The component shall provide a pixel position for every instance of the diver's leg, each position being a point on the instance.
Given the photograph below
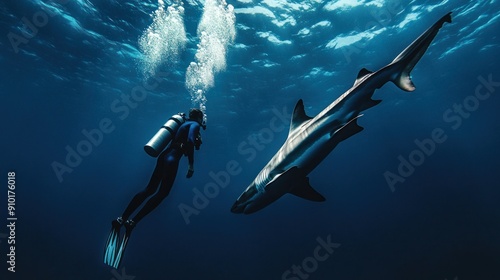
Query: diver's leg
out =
(172, 164)
(150, 189)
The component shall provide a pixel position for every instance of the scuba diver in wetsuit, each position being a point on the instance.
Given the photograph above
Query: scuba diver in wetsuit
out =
(186, 139)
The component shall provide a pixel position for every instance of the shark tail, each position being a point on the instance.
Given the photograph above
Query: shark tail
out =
(409, 57)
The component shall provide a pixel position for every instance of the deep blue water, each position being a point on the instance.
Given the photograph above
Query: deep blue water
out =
(69, 72)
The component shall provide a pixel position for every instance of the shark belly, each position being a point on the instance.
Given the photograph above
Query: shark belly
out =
(309, 152)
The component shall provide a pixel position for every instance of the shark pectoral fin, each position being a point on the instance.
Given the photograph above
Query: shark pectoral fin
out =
(304, 190)
(349, 129)
(299, 116)
(294, 181)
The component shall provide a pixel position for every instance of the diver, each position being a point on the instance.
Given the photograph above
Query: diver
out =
(186, 139)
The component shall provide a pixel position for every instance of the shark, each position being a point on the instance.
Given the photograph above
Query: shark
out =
(311, 139)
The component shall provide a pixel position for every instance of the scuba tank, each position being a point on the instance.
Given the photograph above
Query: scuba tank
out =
(164, 135)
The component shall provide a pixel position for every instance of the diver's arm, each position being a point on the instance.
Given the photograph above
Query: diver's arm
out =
(190, 155)
(194, 130)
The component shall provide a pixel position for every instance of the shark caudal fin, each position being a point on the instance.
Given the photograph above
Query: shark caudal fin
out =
(409, 57)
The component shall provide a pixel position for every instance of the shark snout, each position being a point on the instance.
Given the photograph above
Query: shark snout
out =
(244, 208)
(238, 208)
(245, 201)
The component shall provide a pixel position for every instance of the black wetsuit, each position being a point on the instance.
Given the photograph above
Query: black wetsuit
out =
(165, 171)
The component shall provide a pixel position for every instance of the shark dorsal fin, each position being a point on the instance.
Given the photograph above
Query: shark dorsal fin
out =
(304, 190)
(363, 72)
(299, 116)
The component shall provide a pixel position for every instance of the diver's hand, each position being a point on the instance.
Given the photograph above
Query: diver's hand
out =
(190, 171)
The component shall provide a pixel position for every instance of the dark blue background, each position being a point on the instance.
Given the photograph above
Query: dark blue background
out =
(441, 223)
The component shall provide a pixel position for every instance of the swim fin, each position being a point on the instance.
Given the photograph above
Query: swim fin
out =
(114, 248)
(112, 243)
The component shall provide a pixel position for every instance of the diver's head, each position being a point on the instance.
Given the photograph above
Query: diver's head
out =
(197, 115)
